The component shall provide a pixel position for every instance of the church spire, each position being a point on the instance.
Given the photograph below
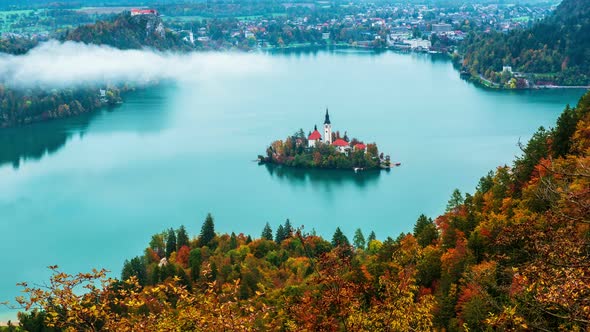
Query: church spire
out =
(327, 121)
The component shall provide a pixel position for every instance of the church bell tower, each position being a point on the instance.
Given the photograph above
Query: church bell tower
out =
(327, 129)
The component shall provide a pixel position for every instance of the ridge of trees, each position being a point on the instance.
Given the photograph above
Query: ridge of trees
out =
(555, 49)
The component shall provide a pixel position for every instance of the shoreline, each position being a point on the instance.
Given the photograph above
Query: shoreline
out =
(479, 81)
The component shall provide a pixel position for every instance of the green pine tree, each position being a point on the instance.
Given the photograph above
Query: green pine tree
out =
(425, 231)
(267, 232)
(182, 238)
(194, 260)
(339, 239)
(233, 241)
(288, 229)
(359, 239)
(207, 231)
(280, 234)
(455, 201)
(170, 242)
(371, 237)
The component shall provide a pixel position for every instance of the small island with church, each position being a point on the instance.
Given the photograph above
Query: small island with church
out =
(332, 151)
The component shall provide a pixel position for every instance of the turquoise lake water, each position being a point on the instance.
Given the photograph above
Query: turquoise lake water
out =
(90, 191)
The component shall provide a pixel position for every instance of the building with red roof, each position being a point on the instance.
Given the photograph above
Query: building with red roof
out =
(341, 145)
(314, 138)
(359, 147)
(135, 12)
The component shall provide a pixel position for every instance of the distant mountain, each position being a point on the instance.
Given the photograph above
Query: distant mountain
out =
(129, 32)
(557, 49)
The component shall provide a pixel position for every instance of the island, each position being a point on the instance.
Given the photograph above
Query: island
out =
(332, 151)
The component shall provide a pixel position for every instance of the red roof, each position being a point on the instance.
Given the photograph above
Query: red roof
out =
(360, 146)
(340, 142)
(315, 135)
(143, 11)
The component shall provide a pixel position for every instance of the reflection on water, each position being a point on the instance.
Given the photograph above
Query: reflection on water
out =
(36, 140)
(142, 112)
(329, 179)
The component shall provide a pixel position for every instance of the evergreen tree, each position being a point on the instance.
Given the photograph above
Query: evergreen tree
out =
(280, 235)
(207, 231)
(135, 267)
(288, 229)
(194, 260)
(425, 231)
(359, 239)
(248, 239)
(339, 239)
(233, 241)
(455, 201)
(182, 238)
(267, 232)
(157, 244)
(170, 242)
(536, 149)
(371, 237)
(155, 275)
(184, 280)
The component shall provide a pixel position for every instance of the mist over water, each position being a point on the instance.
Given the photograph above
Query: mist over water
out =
(54, 64)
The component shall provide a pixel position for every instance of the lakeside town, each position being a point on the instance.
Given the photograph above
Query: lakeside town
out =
(448, 29)
(414, 27)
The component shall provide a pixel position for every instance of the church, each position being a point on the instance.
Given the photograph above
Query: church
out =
(315, 137)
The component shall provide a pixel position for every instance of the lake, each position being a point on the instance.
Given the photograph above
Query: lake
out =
(88, 192)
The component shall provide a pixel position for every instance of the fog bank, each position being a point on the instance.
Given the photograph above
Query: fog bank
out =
(56, 64)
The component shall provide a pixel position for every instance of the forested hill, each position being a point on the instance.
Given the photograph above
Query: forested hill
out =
(129, 32)
(514, 256)
(558, 48)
